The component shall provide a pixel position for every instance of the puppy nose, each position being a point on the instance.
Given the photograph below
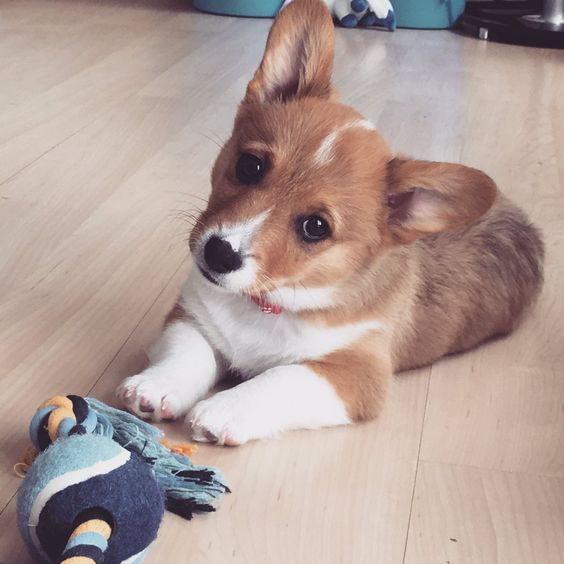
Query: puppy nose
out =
(220, 256)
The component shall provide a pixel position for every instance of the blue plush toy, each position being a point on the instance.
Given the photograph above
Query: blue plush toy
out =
(365, 13)
(98, 489)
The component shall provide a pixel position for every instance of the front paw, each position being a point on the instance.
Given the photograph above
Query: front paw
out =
(152, 396)
(223, 419)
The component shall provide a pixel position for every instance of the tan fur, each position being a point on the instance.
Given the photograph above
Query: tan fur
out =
(370, 373)
(431, 250)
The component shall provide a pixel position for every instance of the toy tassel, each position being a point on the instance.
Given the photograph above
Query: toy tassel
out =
(188, 488)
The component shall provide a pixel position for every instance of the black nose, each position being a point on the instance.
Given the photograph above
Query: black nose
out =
(220, 256)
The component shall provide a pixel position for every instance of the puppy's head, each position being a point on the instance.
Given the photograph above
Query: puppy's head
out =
(306, 192)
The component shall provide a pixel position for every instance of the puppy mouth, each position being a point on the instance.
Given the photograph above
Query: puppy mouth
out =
(249, 288)
(208, 276)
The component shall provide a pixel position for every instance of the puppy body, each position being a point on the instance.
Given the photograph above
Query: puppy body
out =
(368, 263)
(471, 285)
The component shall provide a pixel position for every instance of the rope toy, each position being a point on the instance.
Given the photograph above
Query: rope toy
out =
(97, 482)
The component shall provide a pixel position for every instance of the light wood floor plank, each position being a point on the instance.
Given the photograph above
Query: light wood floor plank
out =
(464, 515)
(39, 122)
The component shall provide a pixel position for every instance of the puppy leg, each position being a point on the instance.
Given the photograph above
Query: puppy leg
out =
(299, 396)
(184, 368)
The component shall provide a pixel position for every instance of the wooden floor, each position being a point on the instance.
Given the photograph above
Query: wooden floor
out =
(110, 113)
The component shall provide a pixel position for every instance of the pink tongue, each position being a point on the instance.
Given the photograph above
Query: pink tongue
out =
(266, 307)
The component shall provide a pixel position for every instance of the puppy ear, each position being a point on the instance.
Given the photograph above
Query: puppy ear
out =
(427, 197)
(298, 59)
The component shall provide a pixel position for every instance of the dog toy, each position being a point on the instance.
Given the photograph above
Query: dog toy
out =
(98, 488)
(365, 13)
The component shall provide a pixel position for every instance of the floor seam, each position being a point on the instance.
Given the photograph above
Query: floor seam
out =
(39, 157)
(417, 465)
(128, 338)
(492, 469)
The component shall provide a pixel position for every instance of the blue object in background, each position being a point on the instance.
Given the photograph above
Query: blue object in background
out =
(427, 14)
(359, 5)
(422, 14)
(253, 8)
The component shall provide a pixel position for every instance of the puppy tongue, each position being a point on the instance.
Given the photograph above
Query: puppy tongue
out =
(267, 307)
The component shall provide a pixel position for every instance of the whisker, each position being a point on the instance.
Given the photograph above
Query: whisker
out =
(217, 141)
(186, 195)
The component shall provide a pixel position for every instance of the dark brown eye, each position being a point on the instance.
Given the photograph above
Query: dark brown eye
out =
(250, 169)
(313, 228)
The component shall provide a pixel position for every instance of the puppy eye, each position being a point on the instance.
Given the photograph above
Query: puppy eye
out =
(250, 169)
(313, 228)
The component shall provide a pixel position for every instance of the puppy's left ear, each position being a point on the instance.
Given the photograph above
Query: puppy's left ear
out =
(428, 197)
(298, 59)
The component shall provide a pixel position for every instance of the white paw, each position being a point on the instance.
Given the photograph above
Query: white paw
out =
(156, 396)
(225, 419)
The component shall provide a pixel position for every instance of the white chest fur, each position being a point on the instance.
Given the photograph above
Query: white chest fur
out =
(252, 341)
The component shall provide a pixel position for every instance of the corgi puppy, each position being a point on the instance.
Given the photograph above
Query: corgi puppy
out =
(324, 263)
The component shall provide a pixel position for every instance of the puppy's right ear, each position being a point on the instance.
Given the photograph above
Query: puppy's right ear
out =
(298, 59)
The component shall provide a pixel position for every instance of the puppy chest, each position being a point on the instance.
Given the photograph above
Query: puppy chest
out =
(252, 341)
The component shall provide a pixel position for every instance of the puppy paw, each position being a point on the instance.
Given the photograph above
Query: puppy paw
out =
(223, 419)
(155, 397)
